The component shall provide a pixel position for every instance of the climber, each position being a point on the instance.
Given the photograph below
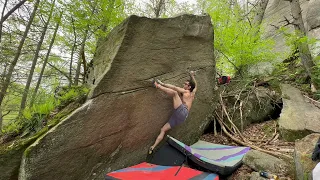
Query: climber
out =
(182, 101)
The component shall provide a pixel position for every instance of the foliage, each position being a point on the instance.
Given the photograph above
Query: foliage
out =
(293, 39)
(316, 80)
(32, 119)
(169, 8)
(83, 22)
(237, 41)
(66, 95)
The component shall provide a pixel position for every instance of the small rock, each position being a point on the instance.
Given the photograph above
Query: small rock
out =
(256, 176)
(260, 161)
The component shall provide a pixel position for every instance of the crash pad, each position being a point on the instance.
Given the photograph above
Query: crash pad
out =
(147, 171)
(221, 159)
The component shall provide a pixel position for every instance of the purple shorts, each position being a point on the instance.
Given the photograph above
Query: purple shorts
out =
(179, 115)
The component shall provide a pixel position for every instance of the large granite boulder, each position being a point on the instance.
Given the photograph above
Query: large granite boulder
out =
(313, 15)
(278, 10)
(258, 104)
(298, 117)
(302, 156)
(124, 113)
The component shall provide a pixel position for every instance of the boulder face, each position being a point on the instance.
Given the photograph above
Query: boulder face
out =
(313, 15)
(302, 156)
(124, 113)
(278, 10)
(298, 117)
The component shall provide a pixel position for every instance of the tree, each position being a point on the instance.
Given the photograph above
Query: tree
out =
(158, 6)
(304, 52)
(237, 42)
(45, 60)
(5, 17)
(261, 8)
(17, 55)
(35, 59)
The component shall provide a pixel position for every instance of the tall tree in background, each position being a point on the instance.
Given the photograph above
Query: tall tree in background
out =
(45, 60)
(74, 47)
(304, 52)
(157, 6)
(82, 58)
(17, 55)
(35, 59)
(260, 10)
(237, 42)
(5, 16)
(83, 23)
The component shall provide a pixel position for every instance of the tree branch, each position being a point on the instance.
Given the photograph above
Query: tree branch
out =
(5, 114)
(63, 73)
(229, 60)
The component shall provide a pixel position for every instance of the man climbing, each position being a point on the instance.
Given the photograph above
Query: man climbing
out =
(182, 101)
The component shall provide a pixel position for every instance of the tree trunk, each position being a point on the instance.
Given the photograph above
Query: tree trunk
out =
(17, 55)
(261, 8)
(34, 61)
(305, 55)
(74, 47)
(5, 17)
(1, 21)
(159, 7)
(83, 43)
(45, 61)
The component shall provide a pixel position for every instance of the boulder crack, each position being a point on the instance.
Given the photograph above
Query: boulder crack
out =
(316, 27)
(123, 92)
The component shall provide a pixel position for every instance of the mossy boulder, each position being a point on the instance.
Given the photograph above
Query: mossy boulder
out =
(298, 117)
(302, 156)
(247, 104)
(11, 153)
(260, 161)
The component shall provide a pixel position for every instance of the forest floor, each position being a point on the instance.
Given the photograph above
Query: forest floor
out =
(261, 134)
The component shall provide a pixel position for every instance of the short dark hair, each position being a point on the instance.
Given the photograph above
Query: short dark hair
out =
(191, 84)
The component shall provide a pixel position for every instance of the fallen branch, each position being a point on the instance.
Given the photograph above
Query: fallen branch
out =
(282, 150)
(215, 126)
(273, 135)
(223, 122)
(233, 125)
(252, 146)
(241, 120)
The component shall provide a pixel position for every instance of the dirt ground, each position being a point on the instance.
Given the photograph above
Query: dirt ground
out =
(260, 134)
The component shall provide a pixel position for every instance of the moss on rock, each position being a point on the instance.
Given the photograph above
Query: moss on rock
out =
(292, 135)
(11, 153)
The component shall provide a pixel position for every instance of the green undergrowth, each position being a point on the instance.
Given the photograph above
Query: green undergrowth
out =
(293, 73)
(48, 113)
